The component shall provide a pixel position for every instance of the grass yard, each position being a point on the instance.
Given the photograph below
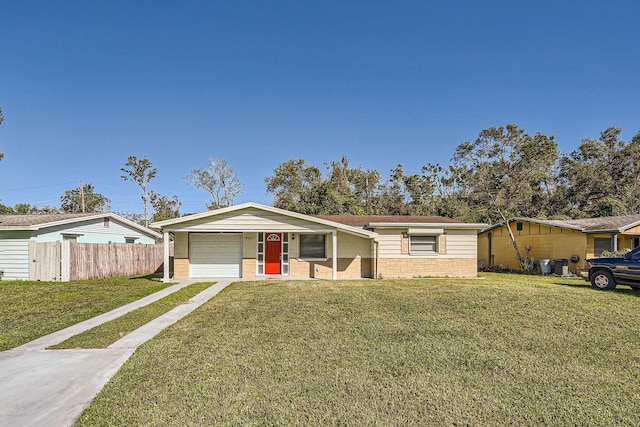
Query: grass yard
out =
(29, 310)
(501, 350)
(107, 333)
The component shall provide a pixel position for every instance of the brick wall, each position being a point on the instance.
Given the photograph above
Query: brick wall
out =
(426, 267)
(357, 268)
(249, 268)
(348, 268)
(181, 268)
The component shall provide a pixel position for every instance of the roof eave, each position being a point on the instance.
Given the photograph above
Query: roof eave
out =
(605, 231)
(78, 219)
(166, 225)
(628, 226)
(533, 221)
(449, 225)
(17, 228)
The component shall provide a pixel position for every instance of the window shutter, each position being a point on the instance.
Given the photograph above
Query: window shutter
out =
(442, 244)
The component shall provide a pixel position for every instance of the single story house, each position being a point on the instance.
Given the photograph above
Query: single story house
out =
(557, 239)
(17, 231)
(257, 241)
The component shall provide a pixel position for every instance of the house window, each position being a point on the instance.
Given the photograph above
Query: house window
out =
(600, 245)
(260, 251)
(285, 254)
(422, 245)
(130, 239)
(70, 237)
(106, 222)
(313, 246)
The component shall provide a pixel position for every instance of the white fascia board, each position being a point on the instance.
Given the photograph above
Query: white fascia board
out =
(17, 228)
(138, 227)
(603, 231)
(355, 231)
(193, 217)
(167, 224)
(628, 226)
(348, 230)
(36, 227)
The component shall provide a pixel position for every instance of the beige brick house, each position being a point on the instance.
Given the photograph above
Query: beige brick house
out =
(257, 241)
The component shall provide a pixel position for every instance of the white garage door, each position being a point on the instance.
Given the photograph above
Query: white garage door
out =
(216, 255)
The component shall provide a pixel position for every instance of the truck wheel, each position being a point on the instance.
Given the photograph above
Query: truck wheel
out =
(603, 280)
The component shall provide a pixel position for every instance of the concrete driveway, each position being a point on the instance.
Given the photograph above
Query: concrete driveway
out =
(51, 387)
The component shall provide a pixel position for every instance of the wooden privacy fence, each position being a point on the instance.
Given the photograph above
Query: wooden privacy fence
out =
(79, 261)
(44, 261)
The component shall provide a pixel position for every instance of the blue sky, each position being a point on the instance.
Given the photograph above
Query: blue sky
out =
(85, 84)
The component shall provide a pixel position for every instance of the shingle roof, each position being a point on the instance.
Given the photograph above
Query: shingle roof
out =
(37, 221)
(30, 220)
(599, 224)
(586, 225)
(362, 220)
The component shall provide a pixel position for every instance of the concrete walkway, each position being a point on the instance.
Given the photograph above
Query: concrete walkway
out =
(51, 387)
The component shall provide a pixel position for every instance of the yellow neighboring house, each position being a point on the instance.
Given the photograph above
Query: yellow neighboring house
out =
(557, 239)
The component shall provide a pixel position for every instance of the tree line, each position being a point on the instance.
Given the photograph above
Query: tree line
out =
(505, 172)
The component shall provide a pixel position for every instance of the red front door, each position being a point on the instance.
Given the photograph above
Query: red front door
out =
(272, 253)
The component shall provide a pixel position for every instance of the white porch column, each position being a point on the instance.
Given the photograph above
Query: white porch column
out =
(614, 241)
(165, 240)
(334, 267)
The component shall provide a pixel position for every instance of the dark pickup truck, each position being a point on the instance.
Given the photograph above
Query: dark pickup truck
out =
(606, 273)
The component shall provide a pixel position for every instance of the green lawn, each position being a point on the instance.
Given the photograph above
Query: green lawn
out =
(29, 310)
(107, 333)
(500, 350)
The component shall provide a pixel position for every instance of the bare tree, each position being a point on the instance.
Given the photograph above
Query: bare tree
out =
(141, 172)
(219, 180)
